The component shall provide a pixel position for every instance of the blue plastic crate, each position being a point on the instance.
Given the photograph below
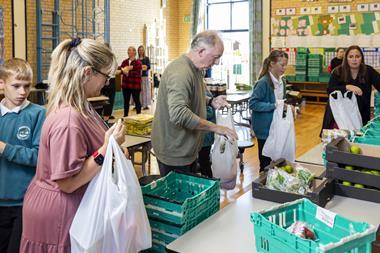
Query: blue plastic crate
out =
(344, 235)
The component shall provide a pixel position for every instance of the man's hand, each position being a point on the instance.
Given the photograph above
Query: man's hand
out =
(222, 130)
(219, 102)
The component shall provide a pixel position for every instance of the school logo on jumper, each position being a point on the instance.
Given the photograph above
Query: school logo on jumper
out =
(23, 133)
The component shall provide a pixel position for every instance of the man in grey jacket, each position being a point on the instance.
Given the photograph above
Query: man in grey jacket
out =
(180, 115)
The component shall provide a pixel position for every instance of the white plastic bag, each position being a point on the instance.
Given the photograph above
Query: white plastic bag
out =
(224, 153)
(345, 110)
(281, 142)
(111, 216)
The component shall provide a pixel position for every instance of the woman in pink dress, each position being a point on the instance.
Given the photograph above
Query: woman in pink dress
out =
(73, 142)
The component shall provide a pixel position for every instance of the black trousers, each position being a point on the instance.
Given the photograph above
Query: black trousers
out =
(264, 160)
(204, 161)
(109, 91)
(10, 229)
(136, 98)
(165, 169)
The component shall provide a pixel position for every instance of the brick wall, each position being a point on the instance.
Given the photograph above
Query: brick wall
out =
(127, 25)
(171, 13)
(185, 9)
(31, 29)
(8, 46)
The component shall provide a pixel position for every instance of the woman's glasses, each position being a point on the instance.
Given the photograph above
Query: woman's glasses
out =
(108, 77)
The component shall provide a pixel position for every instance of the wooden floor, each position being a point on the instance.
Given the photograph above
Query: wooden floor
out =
(308, 124)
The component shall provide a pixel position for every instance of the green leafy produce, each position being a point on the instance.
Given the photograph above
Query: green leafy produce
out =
(304, 175)
(279, 179)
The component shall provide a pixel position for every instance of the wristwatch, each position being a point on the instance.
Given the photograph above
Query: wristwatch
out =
(98, 158)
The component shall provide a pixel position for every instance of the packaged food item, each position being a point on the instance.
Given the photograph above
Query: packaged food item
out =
(294, 179)
(302, 230)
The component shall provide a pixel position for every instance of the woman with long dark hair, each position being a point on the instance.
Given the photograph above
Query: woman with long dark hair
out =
(146, 94)
(353, 75)
(268, 89)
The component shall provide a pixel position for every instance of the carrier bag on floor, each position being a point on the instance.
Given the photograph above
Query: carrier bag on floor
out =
(111, 216)
(345, 110)
(281, 142)
(224, 153)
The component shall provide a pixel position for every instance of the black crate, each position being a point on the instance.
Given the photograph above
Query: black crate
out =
(333, 171)
(338, 151)
(322, 188)
(367, 194)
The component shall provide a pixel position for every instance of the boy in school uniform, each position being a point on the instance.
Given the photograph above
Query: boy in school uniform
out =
(20, 128)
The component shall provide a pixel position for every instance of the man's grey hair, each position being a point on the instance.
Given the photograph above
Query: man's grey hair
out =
(206, 38)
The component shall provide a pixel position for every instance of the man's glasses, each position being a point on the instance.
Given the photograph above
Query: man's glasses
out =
(108, 77)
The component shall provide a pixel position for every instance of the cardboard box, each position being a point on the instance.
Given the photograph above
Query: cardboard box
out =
(355, 176)
(338, 151)
(357, 193)
(321, 188)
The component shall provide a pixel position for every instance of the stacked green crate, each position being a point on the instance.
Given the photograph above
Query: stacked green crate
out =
(301, 64)
(314, 67)
(324, 77)
(178, 202)
(377, 104)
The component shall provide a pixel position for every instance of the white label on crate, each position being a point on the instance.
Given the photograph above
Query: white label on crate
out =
(325, 216)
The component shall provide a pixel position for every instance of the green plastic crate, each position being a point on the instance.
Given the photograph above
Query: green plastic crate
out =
(372, 133)
(301, 65)
(180, 230)
(271, 235)
(367, 140)
(316, 57)
(158, 246)
(300, 77)
(163, 237)
(324, 159)
(178, 197)
(301, 56)
(324, 77)
(303, 50)
(312, 78)
(290, 78)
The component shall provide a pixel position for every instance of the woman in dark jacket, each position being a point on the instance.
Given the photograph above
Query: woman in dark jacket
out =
(353, 75)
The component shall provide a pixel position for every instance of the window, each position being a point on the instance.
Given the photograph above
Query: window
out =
(227, 15)
(231, 18)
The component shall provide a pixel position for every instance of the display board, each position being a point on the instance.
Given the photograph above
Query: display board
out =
(325, 23)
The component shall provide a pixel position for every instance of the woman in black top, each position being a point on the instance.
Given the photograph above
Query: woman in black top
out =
(353, 75)
(338, 59)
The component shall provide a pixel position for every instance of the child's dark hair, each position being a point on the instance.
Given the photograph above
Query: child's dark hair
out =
(274, 56)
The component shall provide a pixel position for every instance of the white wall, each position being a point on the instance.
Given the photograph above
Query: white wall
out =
(127, 23)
